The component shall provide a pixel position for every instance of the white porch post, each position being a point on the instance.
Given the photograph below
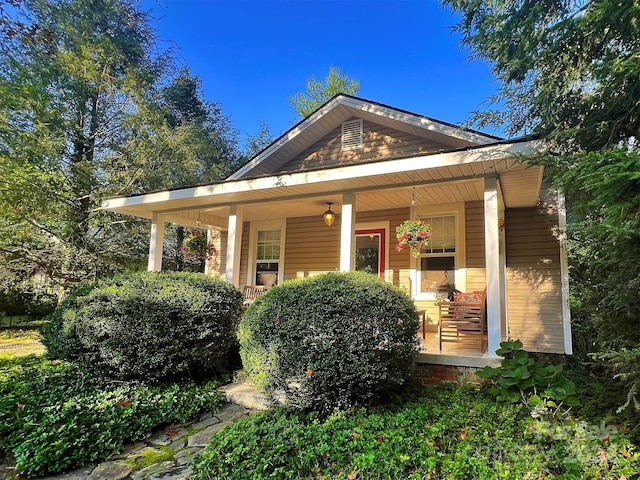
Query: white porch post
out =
(155, 243)
(492, 258)
(234, 241)
(564, 271)
(348, 233)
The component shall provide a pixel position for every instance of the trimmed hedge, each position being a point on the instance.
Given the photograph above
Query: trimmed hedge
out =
(147, 326)
(330, 341)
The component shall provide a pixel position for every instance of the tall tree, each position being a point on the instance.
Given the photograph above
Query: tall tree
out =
(175, 139)
(71, 110)
(568, 70)
(260, 141)
(304, 103)
(62, 103)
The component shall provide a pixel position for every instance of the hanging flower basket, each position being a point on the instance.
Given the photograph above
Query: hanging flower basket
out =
(413, 234)
(195, 247)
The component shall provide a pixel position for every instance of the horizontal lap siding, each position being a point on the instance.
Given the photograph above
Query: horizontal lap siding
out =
(311, 246)
(379, 143)
(534, 289)
(474, 232)
(217, 265)
(244, 255)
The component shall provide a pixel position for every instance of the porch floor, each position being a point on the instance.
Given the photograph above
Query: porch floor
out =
(431, 344)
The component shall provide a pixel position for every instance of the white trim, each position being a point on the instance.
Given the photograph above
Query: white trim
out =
(382, 226)
(457, 360)
(456, 210)
(492, 152)
(418, 121)
(359, 105)
(503, 266)
(234, 245)
(154, 263)
(492, 259)
(348, 233)
(564, 272)
(274, 224)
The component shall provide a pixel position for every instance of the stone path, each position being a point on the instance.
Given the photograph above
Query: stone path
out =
(170, 450)
(175, 446)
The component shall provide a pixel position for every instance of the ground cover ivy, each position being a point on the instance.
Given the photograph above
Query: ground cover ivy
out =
(452, 433)
(54, 418)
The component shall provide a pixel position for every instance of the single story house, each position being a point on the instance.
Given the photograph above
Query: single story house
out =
(496, 227)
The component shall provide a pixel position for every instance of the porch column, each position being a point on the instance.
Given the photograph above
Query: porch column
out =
(348, 233)
(155, 243)
(234, 241)
(492, 258)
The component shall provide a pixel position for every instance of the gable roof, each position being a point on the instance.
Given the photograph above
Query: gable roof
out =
(343, 107)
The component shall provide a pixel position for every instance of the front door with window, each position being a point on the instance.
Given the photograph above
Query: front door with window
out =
(370, 251)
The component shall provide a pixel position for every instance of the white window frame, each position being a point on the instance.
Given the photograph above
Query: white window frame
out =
(457, 210)
(276, 224)
(348, 125)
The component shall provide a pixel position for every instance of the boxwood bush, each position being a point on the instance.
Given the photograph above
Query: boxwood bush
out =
(147, 326)
(330, 341)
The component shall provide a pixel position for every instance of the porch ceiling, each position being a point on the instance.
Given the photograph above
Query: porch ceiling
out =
(441, 178)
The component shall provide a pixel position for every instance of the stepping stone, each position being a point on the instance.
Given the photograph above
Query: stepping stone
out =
(151, 470)
(187, 453)
(178, 444)
(207, 420)
(175, 473)
(201, 438)
(245, 394)
(232, 411)
(129, 450)
(110, 471)
(78, 474)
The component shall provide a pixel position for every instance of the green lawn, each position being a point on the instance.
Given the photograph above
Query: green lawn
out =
(20, 342)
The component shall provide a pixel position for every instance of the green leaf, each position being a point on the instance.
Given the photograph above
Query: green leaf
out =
(513, 397)
(535, 400)
(557, 393)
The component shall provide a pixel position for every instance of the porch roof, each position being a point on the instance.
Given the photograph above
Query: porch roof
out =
(440, 177)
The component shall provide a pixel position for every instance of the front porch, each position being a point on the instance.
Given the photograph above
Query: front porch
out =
(270, 229)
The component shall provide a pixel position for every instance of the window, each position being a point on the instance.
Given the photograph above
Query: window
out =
(352, 135)
(267, 257)
(266, 254)
(438, 259)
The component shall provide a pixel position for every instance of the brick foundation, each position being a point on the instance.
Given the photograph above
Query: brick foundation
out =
(437, 374)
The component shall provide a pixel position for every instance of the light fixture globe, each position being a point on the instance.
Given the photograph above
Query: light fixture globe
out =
(329, 216)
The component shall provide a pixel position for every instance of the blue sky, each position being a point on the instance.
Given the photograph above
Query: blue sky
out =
(253, 55)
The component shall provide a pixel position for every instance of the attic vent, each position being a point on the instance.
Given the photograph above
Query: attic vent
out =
(352, 135)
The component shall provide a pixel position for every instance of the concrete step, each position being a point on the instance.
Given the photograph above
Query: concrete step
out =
(245, 394)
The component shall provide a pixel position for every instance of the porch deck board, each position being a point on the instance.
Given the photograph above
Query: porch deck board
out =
(431, 344)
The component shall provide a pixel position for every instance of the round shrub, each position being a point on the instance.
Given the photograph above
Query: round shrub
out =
(147, 326)
(330, 341)
(57, 333)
